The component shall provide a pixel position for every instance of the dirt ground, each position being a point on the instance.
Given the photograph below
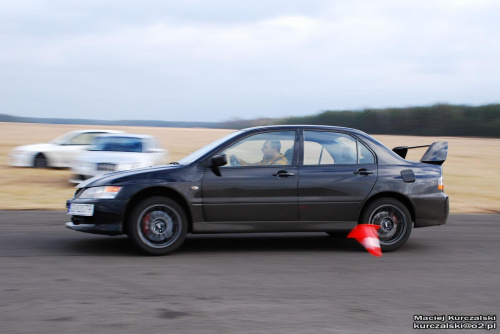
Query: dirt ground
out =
(470, 172)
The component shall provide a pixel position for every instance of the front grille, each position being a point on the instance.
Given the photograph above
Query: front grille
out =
(103, 167)
(77, 220)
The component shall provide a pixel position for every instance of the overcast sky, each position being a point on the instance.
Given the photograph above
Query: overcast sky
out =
(214, 60)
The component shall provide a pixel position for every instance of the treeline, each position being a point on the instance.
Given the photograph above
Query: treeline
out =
(146, 123)
(436, 120)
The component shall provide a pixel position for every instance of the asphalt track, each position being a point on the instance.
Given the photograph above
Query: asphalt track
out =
(61, 281)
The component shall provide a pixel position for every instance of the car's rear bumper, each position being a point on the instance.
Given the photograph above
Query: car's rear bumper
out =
(82, 173)
(78, 178)
(431, 210)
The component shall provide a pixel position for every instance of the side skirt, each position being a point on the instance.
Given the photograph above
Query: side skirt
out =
(252, 227)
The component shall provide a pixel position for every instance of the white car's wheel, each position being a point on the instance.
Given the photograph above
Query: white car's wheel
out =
(40, 161)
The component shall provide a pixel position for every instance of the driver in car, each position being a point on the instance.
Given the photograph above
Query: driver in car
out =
(272, 155)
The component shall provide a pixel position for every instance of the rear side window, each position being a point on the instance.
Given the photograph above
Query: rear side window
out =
(314, 154)
(118, 144)
(365, 156)
(332, 148)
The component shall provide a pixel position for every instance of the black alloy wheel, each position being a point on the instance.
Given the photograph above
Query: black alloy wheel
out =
(157, 225)
(394, 219)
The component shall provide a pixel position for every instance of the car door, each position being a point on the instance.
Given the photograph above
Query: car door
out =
(337, 172)
(252, 187)
(66, 152)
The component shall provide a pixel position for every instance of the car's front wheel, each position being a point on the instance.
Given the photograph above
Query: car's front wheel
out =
(157, 225)
(40, 161)
(394, 220)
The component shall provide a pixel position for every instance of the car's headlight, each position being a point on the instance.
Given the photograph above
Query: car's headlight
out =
(19, 152)
(101, 192)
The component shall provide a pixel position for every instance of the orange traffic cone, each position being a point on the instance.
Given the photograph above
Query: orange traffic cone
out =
(366, 234)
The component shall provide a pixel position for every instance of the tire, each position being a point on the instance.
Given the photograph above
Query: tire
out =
(157, 225)
(40, 161)
(394, 220)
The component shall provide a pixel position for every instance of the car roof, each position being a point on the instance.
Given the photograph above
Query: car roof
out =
(303, 127)
(97, 130)
(127, 135)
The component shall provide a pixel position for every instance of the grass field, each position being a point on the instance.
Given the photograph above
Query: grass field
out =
(470, 172)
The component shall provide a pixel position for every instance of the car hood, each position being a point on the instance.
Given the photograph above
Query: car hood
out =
(129, 176)
(35, 147)
(112, 157)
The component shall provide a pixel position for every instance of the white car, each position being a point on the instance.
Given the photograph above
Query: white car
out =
(59, 153)
(116, 152)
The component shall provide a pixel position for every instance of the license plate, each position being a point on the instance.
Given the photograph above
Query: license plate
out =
(81, 209)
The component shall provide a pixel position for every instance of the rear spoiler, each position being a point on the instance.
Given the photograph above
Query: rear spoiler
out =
(436, 153)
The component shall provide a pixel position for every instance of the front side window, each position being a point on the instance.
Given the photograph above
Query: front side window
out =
(264, 149)
(329, 148)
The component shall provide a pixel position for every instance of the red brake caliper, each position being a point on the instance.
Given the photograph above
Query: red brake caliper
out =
(145, 224)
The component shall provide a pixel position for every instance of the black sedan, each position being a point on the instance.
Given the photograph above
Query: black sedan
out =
(269, 179)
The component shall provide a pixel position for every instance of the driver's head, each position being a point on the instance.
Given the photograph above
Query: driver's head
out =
(271, 148)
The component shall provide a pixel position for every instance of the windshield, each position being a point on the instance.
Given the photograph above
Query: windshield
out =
(117, 144)
(204, 150)
(62, 139)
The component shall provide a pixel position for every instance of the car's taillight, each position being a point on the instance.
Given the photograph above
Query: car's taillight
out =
(441, 184)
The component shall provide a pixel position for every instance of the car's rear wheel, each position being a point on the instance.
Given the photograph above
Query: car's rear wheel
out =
(394, 220)
(40, 161)
(157, 225)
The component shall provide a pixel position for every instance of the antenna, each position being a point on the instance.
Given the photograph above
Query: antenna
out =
(359, 118)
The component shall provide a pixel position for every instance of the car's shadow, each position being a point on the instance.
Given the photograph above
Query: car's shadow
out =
(220, 243)
(269, 242)
(100, 245)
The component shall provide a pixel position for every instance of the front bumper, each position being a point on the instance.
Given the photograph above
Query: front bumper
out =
(21, 160)
(104, 229)
(107, 218)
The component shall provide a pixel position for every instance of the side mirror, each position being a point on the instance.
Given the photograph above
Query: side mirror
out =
(218, 160)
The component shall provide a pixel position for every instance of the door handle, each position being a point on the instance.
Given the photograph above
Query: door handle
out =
(283, 173)
(363, 171)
